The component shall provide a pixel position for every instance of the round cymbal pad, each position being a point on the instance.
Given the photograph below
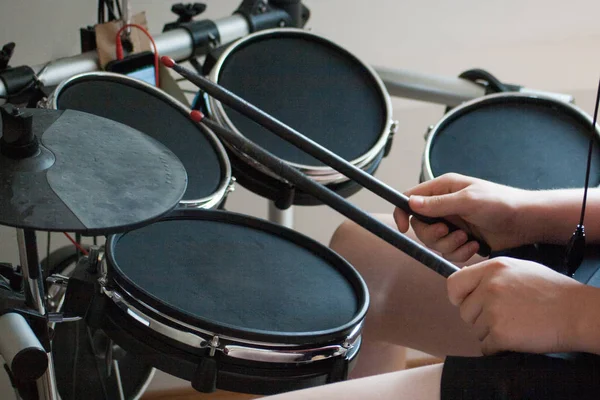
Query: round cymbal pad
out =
(91, 175)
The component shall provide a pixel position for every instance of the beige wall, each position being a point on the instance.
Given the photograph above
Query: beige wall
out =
(546, 44)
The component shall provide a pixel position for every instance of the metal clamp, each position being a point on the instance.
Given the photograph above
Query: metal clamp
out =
(95, 259)
(58, 279)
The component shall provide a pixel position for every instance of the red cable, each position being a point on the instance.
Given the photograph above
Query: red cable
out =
(81, 249)
(119, 44)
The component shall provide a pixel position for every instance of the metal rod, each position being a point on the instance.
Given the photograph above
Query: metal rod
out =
(450, 91)
(176, 43)
(119, 381)
(311, 147)
(332, 199)
(35, 298)
(281, 217)
(32, 273)
(46, 385)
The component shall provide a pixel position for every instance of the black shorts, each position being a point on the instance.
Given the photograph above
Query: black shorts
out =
(518, 376)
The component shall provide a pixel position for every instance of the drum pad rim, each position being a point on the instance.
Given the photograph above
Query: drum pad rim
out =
(336, 261)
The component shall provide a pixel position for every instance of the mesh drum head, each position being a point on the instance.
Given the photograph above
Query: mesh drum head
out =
(313, 86)
(240, 275)
(156, 114)
(516, 140)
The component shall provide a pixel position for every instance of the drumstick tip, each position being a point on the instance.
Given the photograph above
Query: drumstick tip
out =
(167, 61)
(196, 116)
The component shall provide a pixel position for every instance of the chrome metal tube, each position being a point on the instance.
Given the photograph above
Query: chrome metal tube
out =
(177, 44)
(47, 388)
(450, 91)
(20, 348)
(430, 88)
(281, 217)
(34, 296)
(119, 381)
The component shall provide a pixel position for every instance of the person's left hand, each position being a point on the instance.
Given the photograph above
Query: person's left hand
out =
(516, 305)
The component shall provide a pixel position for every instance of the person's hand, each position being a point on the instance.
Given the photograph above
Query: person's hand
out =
(516, 305)
(487, 210)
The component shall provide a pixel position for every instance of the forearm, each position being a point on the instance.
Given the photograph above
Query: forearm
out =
(552, 216)
(586, 323)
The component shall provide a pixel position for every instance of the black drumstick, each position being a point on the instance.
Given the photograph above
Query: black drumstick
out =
(329, 197)
(311, 147)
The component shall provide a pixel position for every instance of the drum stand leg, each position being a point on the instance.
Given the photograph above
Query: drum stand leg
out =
(33, 280)
(281, 217)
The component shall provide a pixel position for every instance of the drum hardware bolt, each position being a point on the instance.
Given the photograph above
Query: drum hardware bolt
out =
(281, 23)
(214, 344)
(394, 127)
(345, 347)
(262, 7)
(428, 132)
(231, 186)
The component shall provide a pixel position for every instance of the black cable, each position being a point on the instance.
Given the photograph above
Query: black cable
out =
(589, 159)
(119, 9)
(101, 18)
(576, 246)
(111, 10)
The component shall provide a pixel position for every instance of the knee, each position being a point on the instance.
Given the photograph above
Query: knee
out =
(344, 234)
(349, 235)
(356, 244)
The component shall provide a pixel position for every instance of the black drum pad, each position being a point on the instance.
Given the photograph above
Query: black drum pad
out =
(522, 142)
(310, 85)
(228, 273)
(145, 110)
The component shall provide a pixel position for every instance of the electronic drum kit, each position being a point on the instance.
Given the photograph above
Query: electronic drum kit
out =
(223, 300)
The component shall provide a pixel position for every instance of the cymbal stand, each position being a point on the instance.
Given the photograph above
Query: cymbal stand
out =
(33, 281)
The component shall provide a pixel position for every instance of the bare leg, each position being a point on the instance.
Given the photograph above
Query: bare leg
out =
(419, 383)
(409, 304)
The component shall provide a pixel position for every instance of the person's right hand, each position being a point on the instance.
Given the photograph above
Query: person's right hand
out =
(487, 210)
(518, 305)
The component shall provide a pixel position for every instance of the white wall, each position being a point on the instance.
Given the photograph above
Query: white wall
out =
(545, 44)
